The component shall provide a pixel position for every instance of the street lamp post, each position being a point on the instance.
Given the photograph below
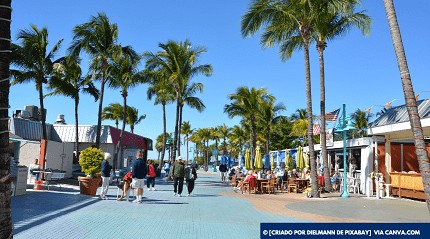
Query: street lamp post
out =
(344, 127)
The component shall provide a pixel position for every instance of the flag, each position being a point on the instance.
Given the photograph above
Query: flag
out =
(332, 116)
(317, 128)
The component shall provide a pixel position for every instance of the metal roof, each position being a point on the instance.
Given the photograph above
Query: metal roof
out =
(399, 114)
(28, 129)
(87, 133)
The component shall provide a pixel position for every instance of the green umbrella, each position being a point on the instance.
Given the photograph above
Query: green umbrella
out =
(307, 160)
(272, 162)
(258, 162)
(248, 163)
(288, 160)
(300, 162)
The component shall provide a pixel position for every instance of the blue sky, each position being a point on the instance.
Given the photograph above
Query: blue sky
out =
(360, 71)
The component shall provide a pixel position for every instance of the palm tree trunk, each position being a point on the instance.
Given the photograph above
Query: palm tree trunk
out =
(179, 129)
(5, 185)
(43, 117)
(327, 183)
(411, 103)
(175, 137)
(187, 146)
(314, 176)
(99, 119)
(118, 146)
(77, 127)
(254, 138)
(163, 151)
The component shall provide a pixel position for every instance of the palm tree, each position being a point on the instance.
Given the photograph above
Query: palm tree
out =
(269, 117)
(160, 86)
(361, 122)
(193, 102)
(98, 38)
(178, 62)
(5, 191)
(328, 26)
(300, 125)
(238, 136)
(411, 103)
(113, 112)
(187, 130)
(124, 75)
(246, 103)
(203, 135)
(215, 135)
(34, 62)
(133, 117)
(68, 81)
(224, 131)
(289, 23)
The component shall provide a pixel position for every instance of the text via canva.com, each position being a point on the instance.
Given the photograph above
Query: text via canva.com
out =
(341, 232)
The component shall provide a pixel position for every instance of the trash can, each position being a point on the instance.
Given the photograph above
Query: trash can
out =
(38, 185)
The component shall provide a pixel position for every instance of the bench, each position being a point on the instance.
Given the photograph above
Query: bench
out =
(408, 185)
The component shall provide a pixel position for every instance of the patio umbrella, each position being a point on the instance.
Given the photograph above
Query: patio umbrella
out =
(300, 162)
(258, 162)
(272, 162)
(288, 160)
(248, 164)
(307, 160)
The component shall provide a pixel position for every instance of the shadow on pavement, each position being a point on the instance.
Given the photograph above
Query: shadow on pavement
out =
(35, 208)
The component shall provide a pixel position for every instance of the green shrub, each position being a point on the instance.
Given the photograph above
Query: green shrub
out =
(90, 160)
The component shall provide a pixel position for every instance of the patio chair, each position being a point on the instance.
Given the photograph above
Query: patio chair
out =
(269, 186)
(292, 185)
(250, 186)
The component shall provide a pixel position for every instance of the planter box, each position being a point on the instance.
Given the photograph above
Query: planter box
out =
(88, 186)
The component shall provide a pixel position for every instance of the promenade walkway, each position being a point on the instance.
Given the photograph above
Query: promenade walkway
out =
(207, 214)
(214, 211)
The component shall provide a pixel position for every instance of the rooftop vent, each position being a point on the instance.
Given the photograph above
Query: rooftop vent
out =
(60, 120)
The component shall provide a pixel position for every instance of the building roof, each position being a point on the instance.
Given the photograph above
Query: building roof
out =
(394, 123)
(399, 114)
(28, 129)
(109, 135)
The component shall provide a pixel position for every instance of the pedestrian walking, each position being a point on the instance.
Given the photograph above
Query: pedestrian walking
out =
(106, 168)
(190, 177)
(150, 181)
(139, 171)
(178, 173)
(223, 169)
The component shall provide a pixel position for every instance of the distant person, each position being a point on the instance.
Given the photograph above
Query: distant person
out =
(279, 174)
(190, 177)
(126, 186)
(150, 181)
(35, 166)
(178, 173)
(269, 174)
(294, 173)
(231, 173)
(223, 169)
(106, 168)
(167, 168)
(139, 171)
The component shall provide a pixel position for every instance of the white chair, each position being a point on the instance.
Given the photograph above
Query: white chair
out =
(354, 185)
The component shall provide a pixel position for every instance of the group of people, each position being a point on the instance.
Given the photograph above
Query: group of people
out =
(141, 170)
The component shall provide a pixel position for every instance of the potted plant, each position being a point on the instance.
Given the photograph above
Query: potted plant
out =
(90, 161)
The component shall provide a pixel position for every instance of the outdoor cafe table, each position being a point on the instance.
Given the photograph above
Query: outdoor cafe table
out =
(302, 183)
(259, 182)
